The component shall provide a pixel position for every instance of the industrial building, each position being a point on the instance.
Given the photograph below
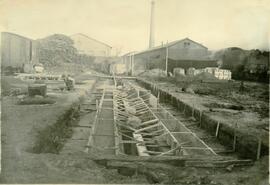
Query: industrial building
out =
(183, 53)
(89, 46)
(16, 50)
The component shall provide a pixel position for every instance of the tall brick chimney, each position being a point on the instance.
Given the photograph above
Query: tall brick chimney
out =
(152, 25)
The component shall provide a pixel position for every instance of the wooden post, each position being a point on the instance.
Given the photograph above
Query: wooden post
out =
(234, 138)
(132, 64)
(96, 104)
(201, 112)
(158, 98)
(167, 55)
(184, 109)
(259, 148)
(192, 110)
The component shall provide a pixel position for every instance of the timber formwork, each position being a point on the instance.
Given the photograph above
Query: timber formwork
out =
(126, 124)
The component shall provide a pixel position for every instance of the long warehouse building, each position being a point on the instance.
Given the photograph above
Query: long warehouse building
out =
(183, 53)
(17, 50)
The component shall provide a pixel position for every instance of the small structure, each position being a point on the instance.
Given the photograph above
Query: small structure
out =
(193, 72)
(178, 71)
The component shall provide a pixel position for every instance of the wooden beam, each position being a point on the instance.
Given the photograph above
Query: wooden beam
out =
(149, 127)
(149, 122)
(140, 148)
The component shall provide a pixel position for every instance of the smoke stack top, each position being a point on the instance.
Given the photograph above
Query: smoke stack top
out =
(152, 25)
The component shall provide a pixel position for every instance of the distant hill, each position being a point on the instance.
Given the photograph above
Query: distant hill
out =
(245, 64)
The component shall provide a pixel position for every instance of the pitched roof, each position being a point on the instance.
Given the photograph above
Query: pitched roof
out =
(169, 45)
(129, 53)
(86, 36)
(23, 37)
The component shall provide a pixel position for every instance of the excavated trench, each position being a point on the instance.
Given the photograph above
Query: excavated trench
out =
(52, 138)
(243, 144)
(129, 121)
(131, 131)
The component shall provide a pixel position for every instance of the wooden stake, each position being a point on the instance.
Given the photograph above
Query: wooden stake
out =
(259, 148)
(192, 110)
(234, 138)
(158, 96)
(201, 112)
(217, 129)
(97, 104)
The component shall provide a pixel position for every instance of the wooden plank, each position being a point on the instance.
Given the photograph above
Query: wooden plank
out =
(172, 150)
(146, 128)
(218, 164)
(141, 149)
(149, 122)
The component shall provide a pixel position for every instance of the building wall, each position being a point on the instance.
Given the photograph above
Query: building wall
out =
(127, 60)
(16, 50)
(183, 51)
(90, 46)
(188, 63)
(149, 60)
(187, 50)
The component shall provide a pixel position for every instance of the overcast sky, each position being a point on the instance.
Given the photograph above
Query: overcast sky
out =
(125, 23)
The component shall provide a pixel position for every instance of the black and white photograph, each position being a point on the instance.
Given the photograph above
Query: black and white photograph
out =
(135, 92)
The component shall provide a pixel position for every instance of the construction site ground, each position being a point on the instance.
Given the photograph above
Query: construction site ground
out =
(21, 123)
(224, 101)
(20, 126)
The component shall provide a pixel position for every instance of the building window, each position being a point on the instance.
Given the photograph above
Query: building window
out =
(186, 44)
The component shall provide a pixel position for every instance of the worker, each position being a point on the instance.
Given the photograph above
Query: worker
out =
(242, 87)
(70, 82)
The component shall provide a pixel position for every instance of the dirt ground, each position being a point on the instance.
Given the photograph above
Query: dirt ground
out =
(20, 165)
(223, 100)
(20, 125)
(252, 97)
